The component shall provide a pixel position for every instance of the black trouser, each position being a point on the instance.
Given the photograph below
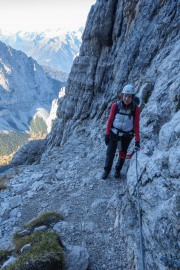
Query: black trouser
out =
(111, 151)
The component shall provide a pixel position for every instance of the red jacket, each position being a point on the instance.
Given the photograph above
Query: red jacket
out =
(136, 121)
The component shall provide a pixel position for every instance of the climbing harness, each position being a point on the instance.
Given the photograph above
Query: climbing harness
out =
(124, 156)
(139, 218)
(129, 156)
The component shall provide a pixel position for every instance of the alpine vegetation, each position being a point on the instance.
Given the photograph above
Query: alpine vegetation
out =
(36, 247)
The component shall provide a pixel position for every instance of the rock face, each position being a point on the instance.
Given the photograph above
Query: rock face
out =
(133, 42)
(24, 89)
(123, 42)
(29, 153)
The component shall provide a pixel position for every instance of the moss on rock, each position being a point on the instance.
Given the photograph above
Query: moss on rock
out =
(45, 253)
(4, 253)
(45, 249)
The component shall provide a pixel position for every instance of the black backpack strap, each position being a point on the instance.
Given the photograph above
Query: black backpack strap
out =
(133, 108)
(118, 107)
(136, 102)
(118, 102)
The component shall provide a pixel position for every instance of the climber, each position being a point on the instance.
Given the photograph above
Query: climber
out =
(122, 126)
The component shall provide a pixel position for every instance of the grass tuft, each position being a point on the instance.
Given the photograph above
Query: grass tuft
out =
(46, 253)
(4, 254)
(46, 249)
(34, 238)
(46, 219)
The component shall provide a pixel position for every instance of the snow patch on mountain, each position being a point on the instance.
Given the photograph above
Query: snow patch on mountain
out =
(53, 48)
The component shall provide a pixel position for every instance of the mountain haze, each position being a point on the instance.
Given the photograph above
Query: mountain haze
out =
(54, 49)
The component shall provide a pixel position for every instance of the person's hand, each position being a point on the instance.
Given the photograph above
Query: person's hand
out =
(137, 146)
(107, 139)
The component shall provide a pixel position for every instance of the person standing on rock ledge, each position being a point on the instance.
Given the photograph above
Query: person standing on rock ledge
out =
(122, 126)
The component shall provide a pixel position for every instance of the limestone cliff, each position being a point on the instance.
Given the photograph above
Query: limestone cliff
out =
(25, 89)
(133, 42)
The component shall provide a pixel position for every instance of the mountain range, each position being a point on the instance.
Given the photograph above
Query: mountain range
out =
(26, 92)
(54, 49)
(33, 68)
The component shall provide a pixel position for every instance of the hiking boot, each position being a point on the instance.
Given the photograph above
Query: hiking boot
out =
(105, 175)
(117, 174)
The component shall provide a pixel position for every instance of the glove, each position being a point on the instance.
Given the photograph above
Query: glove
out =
(137, 146)
(107, 139)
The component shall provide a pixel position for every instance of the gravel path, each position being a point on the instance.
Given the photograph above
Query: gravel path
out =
(69, 181)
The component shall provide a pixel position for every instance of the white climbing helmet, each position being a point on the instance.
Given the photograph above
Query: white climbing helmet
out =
(128, 89)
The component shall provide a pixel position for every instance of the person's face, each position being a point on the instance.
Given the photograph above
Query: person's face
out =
(127, 98)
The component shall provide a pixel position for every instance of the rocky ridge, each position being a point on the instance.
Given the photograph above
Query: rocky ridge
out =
(54, 49)
(25, 90)
(138, 43)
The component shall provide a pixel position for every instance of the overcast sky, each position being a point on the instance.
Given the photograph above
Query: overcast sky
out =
(39, 15)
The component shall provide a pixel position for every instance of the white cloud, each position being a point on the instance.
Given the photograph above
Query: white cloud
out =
(32, 15)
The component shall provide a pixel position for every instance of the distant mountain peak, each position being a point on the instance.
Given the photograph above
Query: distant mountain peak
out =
(55, 48)
(24, 88)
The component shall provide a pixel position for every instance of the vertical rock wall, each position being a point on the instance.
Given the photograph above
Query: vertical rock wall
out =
(135, 42)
